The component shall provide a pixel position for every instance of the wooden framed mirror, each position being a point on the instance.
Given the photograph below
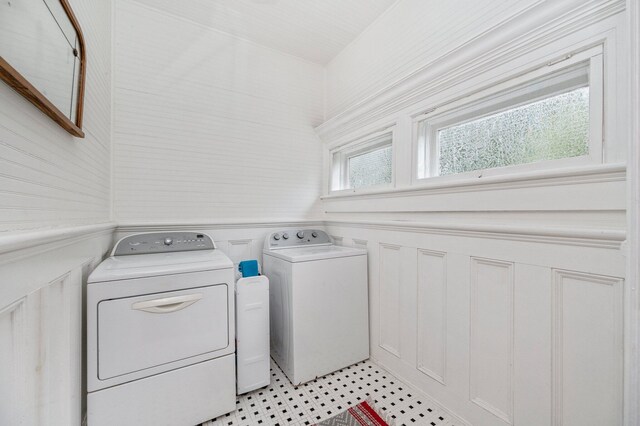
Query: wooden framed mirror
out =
(42, 57)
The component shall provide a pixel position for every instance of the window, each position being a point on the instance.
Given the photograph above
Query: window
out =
(539, 120)
(364, 163)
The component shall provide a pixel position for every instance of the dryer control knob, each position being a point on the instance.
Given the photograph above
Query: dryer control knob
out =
(314, 234)
(276, 237)
(285, 236)
(168, 241)
(300, 234)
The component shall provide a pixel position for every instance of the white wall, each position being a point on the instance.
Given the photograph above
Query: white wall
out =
(418, 33)
(54, 214)
(209, 127)
(411, 34)
(48, 177)
(501, 298)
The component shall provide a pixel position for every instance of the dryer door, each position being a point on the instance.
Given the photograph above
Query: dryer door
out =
(135, 333)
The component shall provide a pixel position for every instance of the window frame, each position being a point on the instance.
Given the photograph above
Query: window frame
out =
(513, 92)
(339, 157)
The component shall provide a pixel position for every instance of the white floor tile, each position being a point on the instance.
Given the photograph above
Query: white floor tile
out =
(282, 404)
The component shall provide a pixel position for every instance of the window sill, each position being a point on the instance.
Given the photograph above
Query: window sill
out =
(582, 174)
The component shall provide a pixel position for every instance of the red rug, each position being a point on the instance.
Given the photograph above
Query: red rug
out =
(363, 414)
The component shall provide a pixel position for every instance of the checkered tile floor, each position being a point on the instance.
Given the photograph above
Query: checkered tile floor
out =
(283, 404)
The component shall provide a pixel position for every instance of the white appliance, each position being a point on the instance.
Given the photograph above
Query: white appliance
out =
(252, 334)
(160, 332)
(318, 303)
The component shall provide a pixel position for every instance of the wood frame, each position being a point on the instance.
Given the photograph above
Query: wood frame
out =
(21, 85)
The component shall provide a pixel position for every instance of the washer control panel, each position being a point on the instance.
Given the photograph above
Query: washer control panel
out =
(296, 238)
(163, 242)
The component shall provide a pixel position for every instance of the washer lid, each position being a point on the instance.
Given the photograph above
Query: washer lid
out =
(149, 265)
(306, 254)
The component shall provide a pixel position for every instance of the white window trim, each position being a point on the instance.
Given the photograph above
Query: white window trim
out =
(472, 105)
(340, 168)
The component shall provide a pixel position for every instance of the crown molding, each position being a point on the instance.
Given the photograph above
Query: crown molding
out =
(534, 28)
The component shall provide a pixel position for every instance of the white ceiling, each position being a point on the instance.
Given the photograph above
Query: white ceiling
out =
(316, 30)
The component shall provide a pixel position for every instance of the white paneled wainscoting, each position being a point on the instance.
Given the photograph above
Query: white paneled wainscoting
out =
(238, 240)
(42, 277)
(500, 328)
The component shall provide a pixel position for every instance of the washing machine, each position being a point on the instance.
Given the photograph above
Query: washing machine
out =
(160, 332)
(318, 303)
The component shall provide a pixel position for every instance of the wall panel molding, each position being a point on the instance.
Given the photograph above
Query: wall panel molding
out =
(587, 325)
(239, 250)
(504, 361)
(632, 289)
(337, 240)
(491, 330)
(432, 314)
(13, 390)
(360, 243)
(390, 299)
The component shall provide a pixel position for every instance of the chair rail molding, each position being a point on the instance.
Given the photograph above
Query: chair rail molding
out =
(611, 239)
(605, 238)
(189, 225)
(43, 239)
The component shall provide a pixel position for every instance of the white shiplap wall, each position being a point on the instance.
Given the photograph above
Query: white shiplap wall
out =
(410, 35)
(48, 177)
(209, 126)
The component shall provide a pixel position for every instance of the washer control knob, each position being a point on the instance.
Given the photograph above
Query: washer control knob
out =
(276, 237)
(285, 236)
(300, 234)
(168, 241)
(314, 234)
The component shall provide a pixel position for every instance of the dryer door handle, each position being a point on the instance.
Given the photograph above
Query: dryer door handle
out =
(167, 305)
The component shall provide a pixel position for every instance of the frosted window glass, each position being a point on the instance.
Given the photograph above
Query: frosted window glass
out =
(549, 129)
(370, 168)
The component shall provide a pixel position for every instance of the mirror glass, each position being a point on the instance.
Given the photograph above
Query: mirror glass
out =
(39, 40)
